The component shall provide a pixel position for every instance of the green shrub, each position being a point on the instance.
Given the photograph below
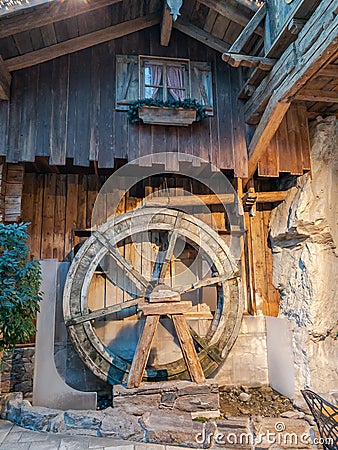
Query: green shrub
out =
(20, 280)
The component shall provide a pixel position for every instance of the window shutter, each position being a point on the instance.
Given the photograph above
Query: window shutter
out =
(201, 84)
(127, 81)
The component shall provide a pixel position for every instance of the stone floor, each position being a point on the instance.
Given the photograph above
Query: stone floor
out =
(16, 438)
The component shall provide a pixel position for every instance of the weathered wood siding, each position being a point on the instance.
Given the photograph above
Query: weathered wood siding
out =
(65, 108)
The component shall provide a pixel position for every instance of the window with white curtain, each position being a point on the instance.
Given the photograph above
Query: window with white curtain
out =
(164, 79)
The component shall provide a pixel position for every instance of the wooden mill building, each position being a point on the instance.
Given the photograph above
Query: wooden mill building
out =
(70, 70)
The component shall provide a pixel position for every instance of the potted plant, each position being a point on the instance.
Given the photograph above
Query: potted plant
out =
(156, 112)
(20, 294)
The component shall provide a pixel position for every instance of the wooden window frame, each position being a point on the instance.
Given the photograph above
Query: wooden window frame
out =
(164, 62)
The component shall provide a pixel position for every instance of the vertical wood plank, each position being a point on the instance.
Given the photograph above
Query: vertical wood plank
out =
(58, 138)
(48, 216)
(44, 109)
(71, 214)
(303, 127)
(60, 217)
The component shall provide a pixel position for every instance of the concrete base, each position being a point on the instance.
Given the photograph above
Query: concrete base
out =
(200, 400)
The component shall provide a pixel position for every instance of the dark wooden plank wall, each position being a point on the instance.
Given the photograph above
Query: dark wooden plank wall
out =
(65, 109)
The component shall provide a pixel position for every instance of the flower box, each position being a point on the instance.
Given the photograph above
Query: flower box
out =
(161, 115)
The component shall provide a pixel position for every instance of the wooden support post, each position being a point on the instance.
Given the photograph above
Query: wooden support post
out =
(166, 25)
(142, 352)
(188, 349)
(5, 81)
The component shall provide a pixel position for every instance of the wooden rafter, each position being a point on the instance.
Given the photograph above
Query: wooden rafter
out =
(166, 25)
(5, 81)
(227, 10)
(317, 45)
(247, 32)
(331, 71)
(82, 42)
(202, 36)
(47, 13)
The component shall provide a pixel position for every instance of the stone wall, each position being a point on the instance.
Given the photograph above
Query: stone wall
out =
(17, 372)
(304, 237)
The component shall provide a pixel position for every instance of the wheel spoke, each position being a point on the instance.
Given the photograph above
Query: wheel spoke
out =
(161, 266)
(201, 283)
(121, 259)
(99, 313)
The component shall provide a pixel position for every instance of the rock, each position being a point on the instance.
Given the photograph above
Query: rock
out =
(38, 418)
(117, 424)
(244, 397)
(137, 404)
(82, 422)
(293, 415)
(177, 428)
(304, 242)
(310, 420)
(194, 403)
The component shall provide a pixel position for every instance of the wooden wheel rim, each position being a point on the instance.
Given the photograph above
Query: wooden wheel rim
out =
(225, 325)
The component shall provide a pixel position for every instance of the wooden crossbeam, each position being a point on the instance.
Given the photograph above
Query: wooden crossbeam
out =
(82, 42)
(48, 12)
(166, 25)
(5, 81)
(236, 60)
(202, 36)
(312, 95)
(231, 12)
(247, 32)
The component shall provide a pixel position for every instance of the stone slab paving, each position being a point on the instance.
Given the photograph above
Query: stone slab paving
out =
(13, 437)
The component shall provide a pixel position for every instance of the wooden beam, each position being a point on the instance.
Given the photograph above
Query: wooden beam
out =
(247, 32)
(48, 12)
(311, 95)
(142, 352)
(166, 25)
(209, 199)
(236, 60)
(5, 81)
(231, 12)
(315, 46)
(202, 36)
(82, 42)
(188, 349)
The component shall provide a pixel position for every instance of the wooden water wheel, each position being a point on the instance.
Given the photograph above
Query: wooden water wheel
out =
(141, 289)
